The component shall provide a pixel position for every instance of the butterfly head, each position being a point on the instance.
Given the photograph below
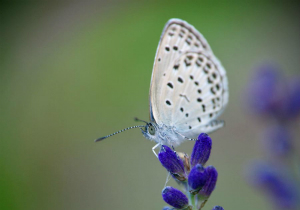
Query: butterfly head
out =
(151, 131)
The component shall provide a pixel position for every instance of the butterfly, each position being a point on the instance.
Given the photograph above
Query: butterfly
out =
(188, 89)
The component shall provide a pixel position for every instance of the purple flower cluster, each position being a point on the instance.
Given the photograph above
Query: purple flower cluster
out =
(198, 181)
(269, 94)
(277, 99)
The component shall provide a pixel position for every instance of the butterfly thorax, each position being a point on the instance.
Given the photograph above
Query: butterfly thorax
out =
(163, 134)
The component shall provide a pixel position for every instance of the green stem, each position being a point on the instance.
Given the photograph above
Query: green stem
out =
(192, 200)
(191, 197)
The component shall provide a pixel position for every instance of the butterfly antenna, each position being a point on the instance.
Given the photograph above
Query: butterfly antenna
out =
(168, 179)
(125, 129)
(137, 119)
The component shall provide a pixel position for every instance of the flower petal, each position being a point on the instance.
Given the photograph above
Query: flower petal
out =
(201, 150)
(175, 197)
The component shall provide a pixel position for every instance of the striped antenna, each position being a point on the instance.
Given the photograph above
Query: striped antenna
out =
(125, 129)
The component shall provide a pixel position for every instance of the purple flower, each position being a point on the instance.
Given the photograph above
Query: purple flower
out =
(198, 182)
(172, 163)
(197, 178)
(278, 185)
(201, 150)
(277, 98)
(212, 176)
(277, 139)
(174, 197)
(293, 100)
(218, 208)
(270, 94)
(265, 91)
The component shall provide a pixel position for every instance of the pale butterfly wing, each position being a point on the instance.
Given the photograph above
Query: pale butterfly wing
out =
(189, 87)
(202, 92)
(175, 39)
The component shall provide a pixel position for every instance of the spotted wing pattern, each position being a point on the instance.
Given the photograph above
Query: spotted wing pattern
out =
(189, 87)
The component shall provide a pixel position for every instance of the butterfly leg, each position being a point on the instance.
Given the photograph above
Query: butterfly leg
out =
(153, 149)
(174, 150)
(167, 179)
(185, 138)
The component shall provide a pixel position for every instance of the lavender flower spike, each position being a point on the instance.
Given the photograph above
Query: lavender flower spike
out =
(278, 141)
(264, 92)
(293, 101)
(210, 184)
(277, 183)
(197, 178)
(218, 208)
(201, 150)
(175, 197)
(169, 159)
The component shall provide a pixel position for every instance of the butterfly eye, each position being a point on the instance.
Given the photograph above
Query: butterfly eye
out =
(151, 130)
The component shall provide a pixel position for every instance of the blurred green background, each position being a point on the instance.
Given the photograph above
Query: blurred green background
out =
(72, 71)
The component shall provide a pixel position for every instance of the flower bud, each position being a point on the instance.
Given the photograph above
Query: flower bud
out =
(201, 150)
(212, 176)
(277, 183)
(293, 101)
(172, 163)
(218, 208)
(265, 92)
(175, 197)
(197, 178)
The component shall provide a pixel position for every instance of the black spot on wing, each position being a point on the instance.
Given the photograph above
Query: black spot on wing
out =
(199, 100)
(212, 90)
(170, 85)
(203, 108)
(180, 80)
